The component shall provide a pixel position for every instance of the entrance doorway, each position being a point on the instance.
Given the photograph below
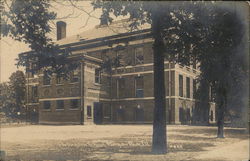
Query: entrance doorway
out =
(139, 114)
(98, 114)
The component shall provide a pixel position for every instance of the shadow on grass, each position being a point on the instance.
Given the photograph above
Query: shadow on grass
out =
(105, 148)
(92, 150)
(229, 133)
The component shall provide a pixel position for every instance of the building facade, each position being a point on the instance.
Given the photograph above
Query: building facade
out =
(122, 94)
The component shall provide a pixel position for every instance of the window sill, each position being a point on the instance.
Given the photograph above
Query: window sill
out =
(47, 85)
(73, 82)
(59, 109)
(97, 84)
(59, 84)
(44, 110)
(74, 109)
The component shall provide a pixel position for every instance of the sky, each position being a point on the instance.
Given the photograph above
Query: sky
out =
(75, 19)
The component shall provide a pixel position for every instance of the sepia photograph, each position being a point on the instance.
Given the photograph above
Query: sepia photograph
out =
(124, 80)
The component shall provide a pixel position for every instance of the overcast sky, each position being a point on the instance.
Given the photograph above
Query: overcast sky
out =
(75, 24)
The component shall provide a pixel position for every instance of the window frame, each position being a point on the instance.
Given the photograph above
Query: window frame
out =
(46, 79)
(71, 104)
(119, 82)
(136, 56)
(194, 88)
(180, 85)
(97, 76)
(47, 103)
(188, 87)
(139, 89)
(74, 76)
(58, 106)
(89, 111)
(59, 79)
(34, 91)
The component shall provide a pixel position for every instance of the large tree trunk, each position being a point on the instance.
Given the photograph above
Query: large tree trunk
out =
(159, 125)
(220, 116)
(204, 104)
(220, 122)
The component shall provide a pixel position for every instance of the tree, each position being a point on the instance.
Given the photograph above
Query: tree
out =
(217, 35)
(6, 101)
(17, 89)
(30, 21)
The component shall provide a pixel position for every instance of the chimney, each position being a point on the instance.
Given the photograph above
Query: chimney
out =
(61, 30)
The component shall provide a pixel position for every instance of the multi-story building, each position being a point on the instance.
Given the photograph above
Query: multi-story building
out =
(124, 94)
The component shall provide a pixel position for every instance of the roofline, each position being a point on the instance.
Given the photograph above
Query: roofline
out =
(105, 38)
(101, 40)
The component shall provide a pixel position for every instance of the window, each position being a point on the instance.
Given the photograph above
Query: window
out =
(46, 79)
(194, 88)
(74, 103)
(139, 86)
(120, 87)
(188, 87)
(59, 79)
(34, 91)
(180, 85)
(46, 105)
(59, 104)
(212, 115)
(74, 76)
(89, 112)
(120, 58)
(138, 55)
(97, 76)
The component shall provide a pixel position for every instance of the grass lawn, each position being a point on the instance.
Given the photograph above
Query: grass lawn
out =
(121, 142)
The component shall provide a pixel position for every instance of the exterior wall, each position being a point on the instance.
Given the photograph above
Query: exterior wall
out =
(64, 91)
(91, 92)
(56, 116)
(100, 103)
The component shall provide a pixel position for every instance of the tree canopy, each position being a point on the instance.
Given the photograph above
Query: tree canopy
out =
(12, 98)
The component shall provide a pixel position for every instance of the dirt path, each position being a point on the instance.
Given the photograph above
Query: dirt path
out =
(229, 152)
